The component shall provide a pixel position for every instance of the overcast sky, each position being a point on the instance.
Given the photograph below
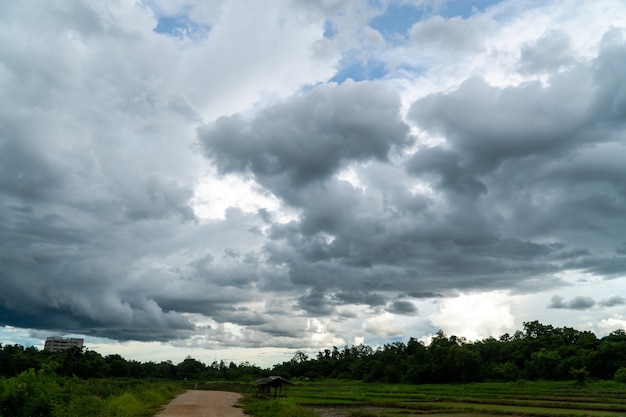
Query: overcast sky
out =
(242, 179)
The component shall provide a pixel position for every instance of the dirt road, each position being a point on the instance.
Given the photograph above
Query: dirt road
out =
(203, 404)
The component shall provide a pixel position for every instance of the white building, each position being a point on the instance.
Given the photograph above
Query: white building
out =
(57, 344)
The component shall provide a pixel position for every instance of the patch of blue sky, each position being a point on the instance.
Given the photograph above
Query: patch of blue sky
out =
(465, 8)
(181, 27)
(359, 71)
(330, 30)
(397, 20)
(14, 336)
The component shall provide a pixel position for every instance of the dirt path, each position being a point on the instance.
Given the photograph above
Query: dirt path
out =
(203, 404)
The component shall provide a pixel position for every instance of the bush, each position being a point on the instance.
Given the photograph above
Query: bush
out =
(85, 406)
(620, 375)
(581, 375)
(125, 405)
(30, 394)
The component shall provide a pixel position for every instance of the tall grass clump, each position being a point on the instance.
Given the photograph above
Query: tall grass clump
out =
(125, 405)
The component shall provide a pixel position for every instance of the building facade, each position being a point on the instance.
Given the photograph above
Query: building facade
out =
(57, 344)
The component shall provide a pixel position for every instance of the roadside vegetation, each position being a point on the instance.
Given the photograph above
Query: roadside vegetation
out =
(44, 394)
(539, 370)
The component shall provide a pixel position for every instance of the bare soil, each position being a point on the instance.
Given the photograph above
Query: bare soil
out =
(196, 403)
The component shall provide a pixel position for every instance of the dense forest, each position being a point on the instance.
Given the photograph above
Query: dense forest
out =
(537, 352)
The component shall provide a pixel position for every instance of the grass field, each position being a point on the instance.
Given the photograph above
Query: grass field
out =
(543, 399)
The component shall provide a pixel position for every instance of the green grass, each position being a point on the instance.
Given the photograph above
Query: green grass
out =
(280, 407)
(524, 398)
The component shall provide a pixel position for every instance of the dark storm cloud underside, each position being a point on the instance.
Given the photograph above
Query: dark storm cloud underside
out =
(54, 320)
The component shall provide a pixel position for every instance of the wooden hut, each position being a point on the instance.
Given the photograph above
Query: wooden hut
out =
(265, 385)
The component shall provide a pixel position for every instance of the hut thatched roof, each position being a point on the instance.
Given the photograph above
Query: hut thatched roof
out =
(274, 381)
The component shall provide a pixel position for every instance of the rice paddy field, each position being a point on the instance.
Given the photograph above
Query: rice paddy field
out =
(333, 398)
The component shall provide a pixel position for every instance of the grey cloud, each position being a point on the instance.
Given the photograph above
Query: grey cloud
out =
(549, 53)
(159, 199)
(25, 173)
(501, 186)
(488, 125)
(576, 303)
(373, 248)
(581, 303)
(614, 300)
(96, 173)
(315, 302)
(454, 34)
(572, 254)
(423, 294)
(308, 138)
(556, 178)
(402, 307)
(610, 102)
(105, 315)
(608, 267)
(446, 165)
(295, 327)
(359, 297)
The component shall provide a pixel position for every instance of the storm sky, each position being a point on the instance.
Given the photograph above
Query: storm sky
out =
(240, 179)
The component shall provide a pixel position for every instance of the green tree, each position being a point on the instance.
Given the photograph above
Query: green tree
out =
(543, 364)
(193, 369)
(116, 366)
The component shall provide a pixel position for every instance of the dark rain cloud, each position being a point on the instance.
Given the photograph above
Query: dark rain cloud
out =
(488, 126)
(576, 303)
(541, 160)
(445, 166)
(308, 138)
(402, 307)
(612, 301)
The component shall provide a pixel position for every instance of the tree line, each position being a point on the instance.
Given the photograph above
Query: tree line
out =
(81, 382)
(537, 352)
(85, 364)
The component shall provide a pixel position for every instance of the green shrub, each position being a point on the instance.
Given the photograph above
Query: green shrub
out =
(125, 405)
(620, 375)
(84, 406)
(581, 375)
